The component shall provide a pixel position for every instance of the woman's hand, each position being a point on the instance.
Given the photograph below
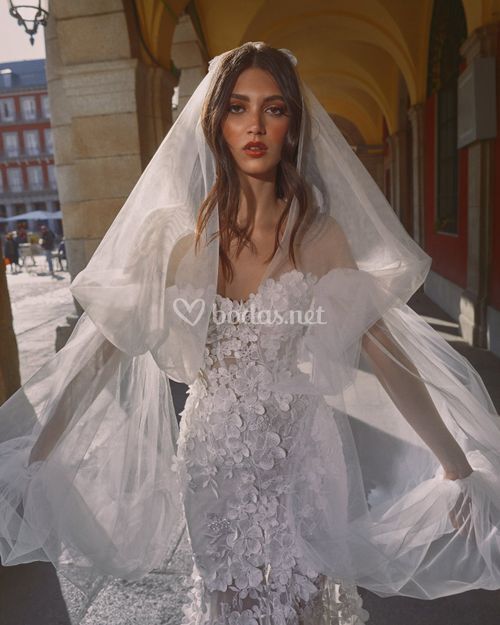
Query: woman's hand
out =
(460, 513)
(458, 473)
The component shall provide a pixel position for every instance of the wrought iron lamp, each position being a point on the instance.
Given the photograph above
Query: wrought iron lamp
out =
(30, 16)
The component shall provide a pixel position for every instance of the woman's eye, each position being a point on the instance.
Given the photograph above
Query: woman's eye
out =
(234, 106)
(277, 110)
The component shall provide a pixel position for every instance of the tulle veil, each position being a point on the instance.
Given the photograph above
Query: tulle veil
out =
(87, 445)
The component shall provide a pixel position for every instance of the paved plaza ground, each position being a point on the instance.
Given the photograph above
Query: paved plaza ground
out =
(34, 595)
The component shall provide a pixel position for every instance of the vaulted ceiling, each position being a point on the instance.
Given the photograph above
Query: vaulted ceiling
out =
(352, 53)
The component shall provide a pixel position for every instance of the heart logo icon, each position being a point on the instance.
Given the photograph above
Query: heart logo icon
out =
(183, 307)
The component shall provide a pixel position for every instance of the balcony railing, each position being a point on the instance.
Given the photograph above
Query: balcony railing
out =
(9, 194)
(19, 119)
(25, 156)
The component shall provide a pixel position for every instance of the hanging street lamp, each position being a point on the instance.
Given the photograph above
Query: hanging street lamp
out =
(30, 16)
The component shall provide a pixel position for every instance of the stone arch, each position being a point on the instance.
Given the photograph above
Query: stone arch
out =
(349, 107)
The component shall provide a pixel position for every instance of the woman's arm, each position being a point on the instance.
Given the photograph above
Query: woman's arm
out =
(179, 250)
(399, 377)
(63, 414)
(408, 392)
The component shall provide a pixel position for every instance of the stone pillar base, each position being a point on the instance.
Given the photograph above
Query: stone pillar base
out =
(473, 319)
(64, 332)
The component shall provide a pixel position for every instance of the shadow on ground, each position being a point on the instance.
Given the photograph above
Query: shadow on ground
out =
(477, 607)
(30, 594)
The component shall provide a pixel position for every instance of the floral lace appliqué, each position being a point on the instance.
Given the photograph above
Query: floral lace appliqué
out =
(238, 466)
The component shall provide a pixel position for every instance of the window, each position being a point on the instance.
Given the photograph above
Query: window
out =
(1, 182)
(448, 32)
(28, 106)
(11, 144)
(6, 77)
(447, 161)
(47, 135)
(45, 106)
(3, 211)
(35, 178)
(31, 142)
(7, 109)
(15, 179)
(52, 177)
(19, 209)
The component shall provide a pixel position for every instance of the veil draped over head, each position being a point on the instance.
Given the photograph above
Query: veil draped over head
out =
(86, 446)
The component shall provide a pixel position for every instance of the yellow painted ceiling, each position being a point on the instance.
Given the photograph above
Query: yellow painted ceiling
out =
(351, 52)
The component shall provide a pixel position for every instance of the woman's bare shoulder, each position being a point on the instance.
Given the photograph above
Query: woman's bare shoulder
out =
(179, 250)
(332, 244)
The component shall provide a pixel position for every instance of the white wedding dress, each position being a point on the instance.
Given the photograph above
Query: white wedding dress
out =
(308, 456)
(244, 453)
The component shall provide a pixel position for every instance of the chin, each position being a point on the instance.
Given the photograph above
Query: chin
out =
(258, 169)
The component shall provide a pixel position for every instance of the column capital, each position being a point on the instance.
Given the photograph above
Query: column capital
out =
(415, 111)
(482, 42)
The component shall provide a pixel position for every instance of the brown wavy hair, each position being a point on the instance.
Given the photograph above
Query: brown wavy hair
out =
(225, 192)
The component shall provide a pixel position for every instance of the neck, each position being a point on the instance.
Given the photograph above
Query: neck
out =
(260, 194)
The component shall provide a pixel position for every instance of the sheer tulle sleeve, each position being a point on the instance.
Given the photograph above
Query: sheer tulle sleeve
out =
(439, 536)
(85, 464)
(407, 407)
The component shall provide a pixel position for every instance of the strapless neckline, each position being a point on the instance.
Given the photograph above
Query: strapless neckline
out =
(261, 285)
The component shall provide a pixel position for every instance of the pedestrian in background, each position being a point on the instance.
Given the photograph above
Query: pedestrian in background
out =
(22, 235)
(61, 254)
(11, 252)
(47, 241)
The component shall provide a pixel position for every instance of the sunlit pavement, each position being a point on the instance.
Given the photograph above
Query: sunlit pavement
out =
(40, 302)
(33, 594)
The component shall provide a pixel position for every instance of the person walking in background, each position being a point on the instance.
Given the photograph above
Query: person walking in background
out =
(11, 252)
(47, 241)
(61, 254)
(22, 235)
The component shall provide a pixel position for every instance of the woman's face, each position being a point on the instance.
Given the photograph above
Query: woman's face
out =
(257, 114)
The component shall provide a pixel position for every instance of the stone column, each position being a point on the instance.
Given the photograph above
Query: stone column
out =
(154, 90)
(50, 209)
(32, 224)
(474, 300)
(372, 157)
(10, 379)
(10, 212)
(394, 151)
(416, 117)
(189, 57)
(110, 111)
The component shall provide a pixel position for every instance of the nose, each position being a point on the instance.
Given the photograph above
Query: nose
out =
(256, 124)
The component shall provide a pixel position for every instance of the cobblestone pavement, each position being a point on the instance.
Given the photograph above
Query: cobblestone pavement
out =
(39, 303)
(33, 594)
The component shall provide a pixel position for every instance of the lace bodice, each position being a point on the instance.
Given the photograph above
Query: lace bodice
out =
(250, 343)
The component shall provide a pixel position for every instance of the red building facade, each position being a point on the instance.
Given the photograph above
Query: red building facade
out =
(27, 170)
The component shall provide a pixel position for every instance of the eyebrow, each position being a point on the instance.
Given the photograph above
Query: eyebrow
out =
(239, 96)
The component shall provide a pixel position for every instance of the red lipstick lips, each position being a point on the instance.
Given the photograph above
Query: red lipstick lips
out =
(255, 148)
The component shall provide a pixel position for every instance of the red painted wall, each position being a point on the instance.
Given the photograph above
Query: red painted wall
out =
(448, 252)
(494, 286)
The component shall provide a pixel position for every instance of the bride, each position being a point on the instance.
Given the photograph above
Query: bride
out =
(330, 437)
